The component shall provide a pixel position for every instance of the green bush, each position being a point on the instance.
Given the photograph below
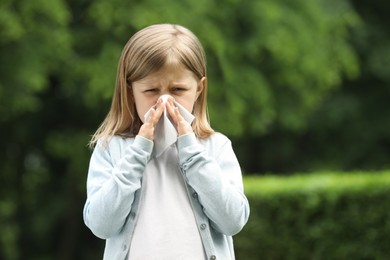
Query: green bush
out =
(317, 216)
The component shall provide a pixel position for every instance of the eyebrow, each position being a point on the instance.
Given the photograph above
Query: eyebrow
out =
(148, 85)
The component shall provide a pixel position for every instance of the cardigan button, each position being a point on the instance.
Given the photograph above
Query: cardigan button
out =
(213, 257)
(132, 215)
(195, 195)
(203, 226)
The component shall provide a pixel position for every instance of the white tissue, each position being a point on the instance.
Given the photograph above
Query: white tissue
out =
(165, 133)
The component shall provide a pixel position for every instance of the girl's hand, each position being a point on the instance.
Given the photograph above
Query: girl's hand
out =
(182, 126)
(147, 129)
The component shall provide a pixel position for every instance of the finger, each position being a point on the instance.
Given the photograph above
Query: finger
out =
(147, 129)
(171, 99)
(159, 108)
(183, 127)
(156, 113)
(171, 110)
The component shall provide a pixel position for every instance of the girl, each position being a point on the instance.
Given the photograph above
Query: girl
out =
(185, 201)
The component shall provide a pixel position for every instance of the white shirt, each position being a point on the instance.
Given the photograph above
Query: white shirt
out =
(166, 227)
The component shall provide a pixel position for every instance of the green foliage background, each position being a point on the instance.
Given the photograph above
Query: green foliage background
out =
(298, 86)
(328, 215)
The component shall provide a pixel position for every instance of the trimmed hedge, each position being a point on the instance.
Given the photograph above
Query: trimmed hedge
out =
(317, 216)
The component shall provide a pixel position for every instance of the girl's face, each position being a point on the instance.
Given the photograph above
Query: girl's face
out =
(172, 79)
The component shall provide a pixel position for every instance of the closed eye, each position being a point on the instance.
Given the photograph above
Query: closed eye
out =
(177, 89)
(151, 90)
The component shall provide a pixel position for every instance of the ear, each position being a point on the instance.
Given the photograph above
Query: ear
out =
(201, 86)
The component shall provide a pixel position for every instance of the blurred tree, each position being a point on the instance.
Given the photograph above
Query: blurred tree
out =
(355, 119)
(272, 64)
(279, 60)
(350, 127)
(34, 42)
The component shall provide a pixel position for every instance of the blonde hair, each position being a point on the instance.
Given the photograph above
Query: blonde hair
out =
(146, 52)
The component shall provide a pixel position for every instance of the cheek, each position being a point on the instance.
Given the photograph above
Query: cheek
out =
(142, 106)
(139, 112)
(189, 107)
(188, 104)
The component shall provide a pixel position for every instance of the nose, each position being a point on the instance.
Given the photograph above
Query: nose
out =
(164, 91)
(165, 98)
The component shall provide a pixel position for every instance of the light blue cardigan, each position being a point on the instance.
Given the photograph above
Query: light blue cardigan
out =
(214, 184)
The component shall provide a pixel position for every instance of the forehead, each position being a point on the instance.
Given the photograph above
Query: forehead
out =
(171, 72)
